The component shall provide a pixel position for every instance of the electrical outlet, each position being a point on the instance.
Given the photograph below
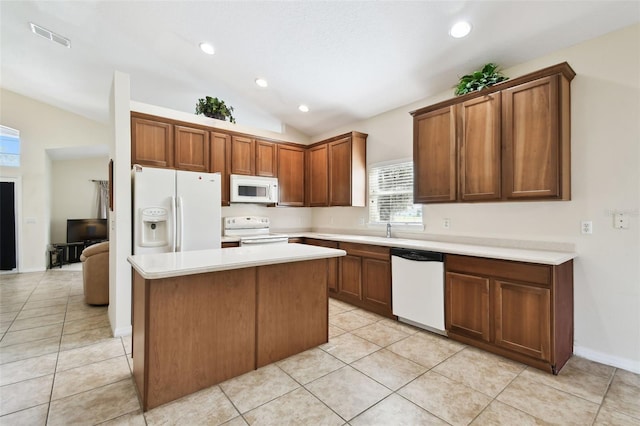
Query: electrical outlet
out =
(587, 227)
(331, 220)
(446, 223)
(361, 221)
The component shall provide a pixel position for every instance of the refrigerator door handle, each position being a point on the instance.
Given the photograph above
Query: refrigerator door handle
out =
(174, 223)
(180, 225)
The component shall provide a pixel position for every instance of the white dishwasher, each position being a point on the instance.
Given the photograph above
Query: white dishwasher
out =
(417, 288)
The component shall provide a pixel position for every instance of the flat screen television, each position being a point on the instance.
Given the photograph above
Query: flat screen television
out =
(81, 230)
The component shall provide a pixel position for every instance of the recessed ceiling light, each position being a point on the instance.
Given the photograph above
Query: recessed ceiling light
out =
(207, 48)
(460, 29)
(261, 82)
(303, 108)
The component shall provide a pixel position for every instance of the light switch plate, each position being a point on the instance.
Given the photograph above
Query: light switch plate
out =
(620, 221)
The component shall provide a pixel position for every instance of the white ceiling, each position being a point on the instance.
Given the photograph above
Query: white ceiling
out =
(347, 60)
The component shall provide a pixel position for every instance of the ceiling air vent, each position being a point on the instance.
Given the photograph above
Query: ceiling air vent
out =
(49, 35)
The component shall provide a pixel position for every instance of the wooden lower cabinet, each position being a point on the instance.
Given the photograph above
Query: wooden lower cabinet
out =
(230, 244)
(194, 331)
(519, 310)
(350, 283)
(467, 305)
(332, 279)
(365, 277)
(514, 304)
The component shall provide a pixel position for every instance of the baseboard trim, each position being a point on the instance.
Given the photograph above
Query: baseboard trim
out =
(614, 361)
(122, 331)
(27, 270)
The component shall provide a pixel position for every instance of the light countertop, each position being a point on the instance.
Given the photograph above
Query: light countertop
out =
(545, 257)
(166, 265)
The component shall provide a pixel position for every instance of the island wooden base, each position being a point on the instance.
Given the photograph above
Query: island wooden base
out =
(194, 331)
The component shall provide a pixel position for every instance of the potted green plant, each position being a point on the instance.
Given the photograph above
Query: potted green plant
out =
(214, 108)
(478, 80)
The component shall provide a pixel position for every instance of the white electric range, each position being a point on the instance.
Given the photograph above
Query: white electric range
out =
(252, 230)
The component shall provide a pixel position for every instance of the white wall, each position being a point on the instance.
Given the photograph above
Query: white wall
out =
(605, 158)
(73, 194)
(41, 127)
(120, 216)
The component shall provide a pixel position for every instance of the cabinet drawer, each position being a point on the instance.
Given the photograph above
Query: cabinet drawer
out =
(321, 243)
(519, 271)
(365, 250)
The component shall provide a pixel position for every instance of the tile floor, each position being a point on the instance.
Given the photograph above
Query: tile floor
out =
(59, 365)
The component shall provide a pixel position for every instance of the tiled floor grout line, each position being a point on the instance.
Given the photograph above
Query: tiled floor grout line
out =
(55, 368)
(604, 396)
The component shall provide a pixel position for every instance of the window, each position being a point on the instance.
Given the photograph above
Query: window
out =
(391, 194)
(9, 147)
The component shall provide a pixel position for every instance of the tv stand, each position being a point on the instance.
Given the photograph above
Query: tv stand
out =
(65, 253)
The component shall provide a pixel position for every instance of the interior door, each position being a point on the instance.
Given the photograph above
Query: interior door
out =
(8, 255)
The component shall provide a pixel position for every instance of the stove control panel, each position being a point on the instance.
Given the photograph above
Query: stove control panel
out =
(246, 222)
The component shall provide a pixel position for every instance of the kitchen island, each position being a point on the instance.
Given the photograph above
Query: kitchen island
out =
(203, 317)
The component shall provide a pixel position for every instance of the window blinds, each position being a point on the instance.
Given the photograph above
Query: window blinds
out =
(391, 194)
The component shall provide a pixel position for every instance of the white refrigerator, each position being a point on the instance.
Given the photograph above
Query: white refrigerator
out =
(175, 210)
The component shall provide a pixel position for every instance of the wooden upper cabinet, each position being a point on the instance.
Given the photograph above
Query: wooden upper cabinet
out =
(290, 168)
(220, 162)
(434, 156)
(191, 149)
(480, 148)
(513, 142)
(151, 143)
(347, 170)
(317, 169)
(532, 139)
(266, 159)
(340, 172)
(243, 155)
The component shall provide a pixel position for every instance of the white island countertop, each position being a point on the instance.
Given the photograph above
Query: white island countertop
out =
(167, 265)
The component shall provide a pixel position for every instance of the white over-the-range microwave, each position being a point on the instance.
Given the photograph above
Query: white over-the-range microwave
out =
(254, 189)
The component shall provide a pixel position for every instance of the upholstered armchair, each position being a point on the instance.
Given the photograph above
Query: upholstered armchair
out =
(95, 273)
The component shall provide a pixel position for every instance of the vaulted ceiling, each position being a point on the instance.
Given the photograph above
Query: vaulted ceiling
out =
(346, 60)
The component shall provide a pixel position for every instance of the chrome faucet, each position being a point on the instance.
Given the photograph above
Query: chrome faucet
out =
(388, 229)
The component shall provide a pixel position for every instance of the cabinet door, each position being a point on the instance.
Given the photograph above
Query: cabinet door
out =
(376, 284)
(192, 149)
(151, 143)
(266, 163)
(290, 175)
(220, 162)
(531, 139)
(332, 265)
(340, 172)
(467, 305)
(434, 156)
(480, 146)
(243, 156)
(317, 176)
(522, 315)
(350, 283)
